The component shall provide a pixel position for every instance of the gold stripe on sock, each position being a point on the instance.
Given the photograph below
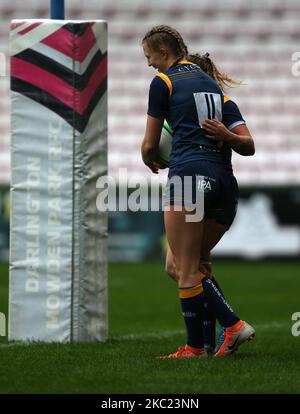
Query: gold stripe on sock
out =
(202, 275)
(190, 292)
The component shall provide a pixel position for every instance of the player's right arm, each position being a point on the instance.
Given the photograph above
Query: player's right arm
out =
(151, 142)
(157, 112)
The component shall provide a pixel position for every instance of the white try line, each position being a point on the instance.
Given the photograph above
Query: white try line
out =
(141, 336)
(170, 334)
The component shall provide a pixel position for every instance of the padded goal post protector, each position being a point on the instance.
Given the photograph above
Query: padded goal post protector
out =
(58, 240)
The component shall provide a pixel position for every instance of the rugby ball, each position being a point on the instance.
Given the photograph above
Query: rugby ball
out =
(165, 143)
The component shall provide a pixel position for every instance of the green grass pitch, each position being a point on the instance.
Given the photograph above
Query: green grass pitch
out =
(145, 322)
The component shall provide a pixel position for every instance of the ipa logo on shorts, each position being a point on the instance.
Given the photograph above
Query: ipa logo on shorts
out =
(204, 184)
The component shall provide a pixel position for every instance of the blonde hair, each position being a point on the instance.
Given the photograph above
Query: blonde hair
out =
(208, 66)
(167, 36)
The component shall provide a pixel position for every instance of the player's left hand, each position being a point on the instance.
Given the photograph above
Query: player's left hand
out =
(215, 130)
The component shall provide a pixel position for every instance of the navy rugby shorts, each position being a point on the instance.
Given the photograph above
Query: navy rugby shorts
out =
(214, 181)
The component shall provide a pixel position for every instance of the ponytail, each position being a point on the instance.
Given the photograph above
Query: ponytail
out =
(208, 66)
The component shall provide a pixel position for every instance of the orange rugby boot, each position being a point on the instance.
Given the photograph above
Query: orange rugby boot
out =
(233, 337)
(186, 352)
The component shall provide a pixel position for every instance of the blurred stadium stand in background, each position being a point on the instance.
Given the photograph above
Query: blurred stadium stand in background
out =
(252, 41)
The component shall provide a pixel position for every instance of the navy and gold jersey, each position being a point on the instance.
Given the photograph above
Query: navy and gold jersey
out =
(185, 96)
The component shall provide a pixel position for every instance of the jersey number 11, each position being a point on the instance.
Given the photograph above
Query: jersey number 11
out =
(209, 106)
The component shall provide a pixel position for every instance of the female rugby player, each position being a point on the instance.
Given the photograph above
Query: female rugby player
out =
(184, 95)
(232, 122)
